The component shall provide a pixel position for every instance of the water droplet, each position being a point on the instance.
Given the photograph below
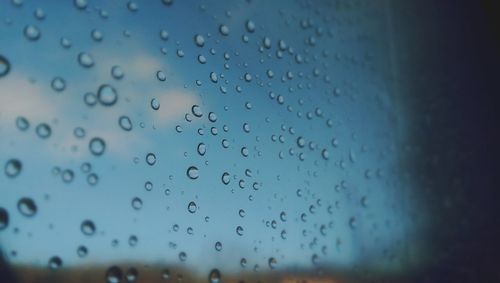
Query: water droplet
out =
(196, 110)
(164, 34)
(82, 251)
(160, 75)
(13, 168)
(241, 213)
(55, 262)
(32, 32)
(325, 154)
(85, 60)
(4, 218)
(353, 223)
(239, 230)
(132, 274)
(272, 262)
(192, 172)
(67, 175)
(132, 6)
(79, 132)
(224, 30)
(4, 66)
(212, 117)
(58, 84)
(87, 227)
(125, 123)
(214, 276)
(80, 4)
(192, 207)
(132, 240)
(97, 146)
(226, 178)
(92, 179)
(117, 72)
(148, 186)
(27, 207)
(301, 142)
(250, 26)
(107, 95)
(202, 149)
(182, 256)
(136, 203)
(202, 59)
(114, 274)
(155, 104)
(96, 35)
(243, 262)
(218, 246)
(150, 159)
(213, 77)
(199, 40)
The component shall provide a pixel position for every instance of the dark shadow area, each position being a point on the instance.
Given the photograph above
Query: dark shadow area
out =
(448, 57)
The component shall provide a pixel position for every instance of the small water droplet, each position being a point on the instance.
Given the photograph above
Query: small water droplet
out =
(13, 167)
(58, 84)
(55, 262)
(160, 75)
(192, 172)
(117, 72)
(97, 146)
(214, 276)
(125, 123)
(239, 230)
(107, 95)
(4, 66)
(85, 60)
(155, 104)
(27, 207)
(224, 30)
(114, 274)
(192, 207)
(199, 40)
(136, 203)
(87, 227)
(4, 218)
(150, 159)
(32, 32)
(218, 246)
(82, 251)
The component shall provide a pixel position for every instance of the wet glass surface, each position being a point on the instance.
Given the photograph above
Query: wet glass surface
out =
(228, 141)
